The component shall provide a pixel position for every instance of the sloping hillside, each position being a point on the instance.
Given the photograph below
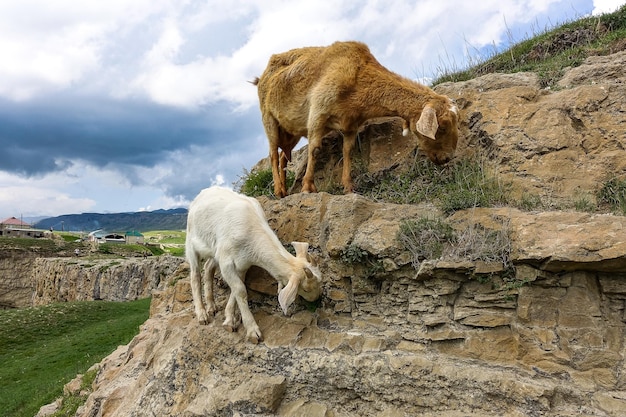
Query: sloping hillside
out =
(174, 219)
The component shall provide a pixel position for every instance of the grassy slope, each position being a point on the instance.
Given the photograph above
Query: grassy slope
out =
(42, 348)
(550, 53)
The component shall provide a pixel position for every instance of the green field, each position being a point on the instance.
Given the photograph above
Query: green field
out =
(43, 348)
(172, 241)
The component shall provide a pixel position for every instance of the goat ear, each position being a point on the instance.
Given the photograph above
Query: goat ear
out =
(301, 248)
(427, 124)
(287, 295)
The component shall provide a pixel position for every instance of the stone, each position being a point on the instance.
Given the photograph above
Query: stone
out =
(74, 386)
(612, 403)
(262, 394)
(49, 409)
(303, 408)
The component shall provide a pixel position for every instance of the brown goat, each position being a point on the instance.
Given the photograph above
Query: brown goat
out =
(313, 91)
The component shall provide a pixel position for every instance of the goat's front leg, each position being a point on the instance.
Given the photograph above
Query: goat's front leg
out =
(272, 130)
(239, 295)
(346, 176)
(230, 322)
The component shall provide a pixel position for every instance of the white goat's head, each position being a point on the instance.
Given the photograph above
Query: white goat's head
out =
(306, 282)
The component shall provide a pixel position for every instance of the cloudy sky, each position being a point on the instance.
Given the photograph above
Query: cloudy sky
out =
(136, 105)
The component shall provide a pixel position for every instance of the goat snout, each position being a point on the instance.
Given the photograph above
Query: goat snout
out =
(310, 295)
(439, 159)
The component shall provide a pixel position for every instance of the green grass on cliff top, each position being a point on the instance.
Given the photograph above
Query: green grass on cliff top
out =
(550, 52)
(43, 348)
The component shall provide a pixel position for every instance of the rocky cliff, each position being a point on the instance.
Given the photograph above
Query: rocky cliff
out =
(73, 279)
(30, 278)
(538, 332)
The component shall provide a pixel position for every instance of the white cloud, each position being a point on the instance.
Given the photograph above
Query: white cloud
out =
(38, 197)
(606, 6)
(56, 45)
(51, 45)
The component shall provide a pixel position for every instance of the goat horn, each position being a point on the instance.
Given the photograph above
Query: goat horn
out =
(301, 248)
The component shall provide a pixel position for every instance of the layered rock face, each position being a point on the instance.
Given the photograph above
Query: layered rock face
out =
(27, 278)
(542, 334)
(76, 279)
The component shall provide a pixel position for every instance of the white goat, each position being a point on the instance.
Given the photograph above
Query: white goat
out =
(229, 231)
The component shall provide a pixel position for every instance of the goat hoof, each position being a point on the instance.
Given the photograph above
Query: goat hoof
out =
(203, 318)
(230, 326)
(255, 336)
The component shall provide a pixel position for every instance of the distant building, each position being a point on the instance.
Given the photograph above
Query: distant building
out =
(14, 227)
(130, 237)
(114, 238)
(96, 236)
(134, 237)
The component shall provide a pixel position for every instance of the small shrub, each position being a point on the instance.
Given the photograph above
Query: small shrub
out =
(584, 203)
(354, 255)
(613, 193)
(260, 182)
(425, 238)
(428, 238)
(530, 202)
(477, 243)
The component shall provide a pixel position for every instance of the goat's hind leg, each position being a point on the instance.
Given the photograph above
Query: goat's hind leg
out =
(196, 290)
(210, 266)
(349, 139)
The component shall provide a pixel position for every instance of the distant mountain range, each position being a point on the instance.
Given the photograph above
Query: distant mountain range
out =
(143, 221)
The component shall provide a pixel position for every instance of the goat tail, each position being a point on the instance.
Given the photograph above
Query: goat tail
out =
(255, 81)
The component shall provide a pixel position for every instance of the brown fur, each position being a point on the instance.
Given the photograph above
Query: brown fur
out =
(313, 91)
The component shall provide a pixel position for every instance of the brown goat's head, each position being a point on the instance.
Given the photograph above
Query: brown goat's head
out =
(437, 131)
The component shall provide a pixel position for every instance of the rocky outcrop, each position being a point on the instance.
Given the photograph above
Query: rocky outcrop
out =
(555, 144)
(73, 279)
(449, 339)
(540, 333)
(16, 287)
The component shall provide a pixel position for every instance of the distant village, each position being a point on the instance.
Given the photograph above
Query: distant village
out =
(14, 227)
